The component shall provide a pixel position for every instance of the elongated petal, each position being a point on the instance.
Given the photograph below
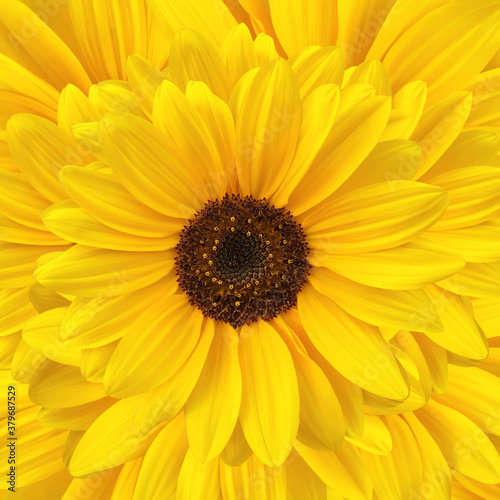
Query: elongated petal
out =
(138, 154)
(192, 57)
(461, 334)
(15, 310)
(435, 471)
(376, 438)
(237, 450)
(40, 149)
(105, 199)
(407, 267)
(480, 243)
(343, 471)
(376, 217)
(270, 400)
(174, 114)
(89, 271)
(354, 348)
(462, 443)
(158, 477)
(75, 107)
(109, 441)
(98, 321)
(213, 407)
(197, 480)
(302, 483)
(298, 25)
(266, 136)
(41, 46)
(448, 47)
(42, 449)
(170, 332)
(402, 310)
(266, 484)
(212, 19)
(166, 400)
(42, 333)
(351, 139)
(317, 66)
(318, 114)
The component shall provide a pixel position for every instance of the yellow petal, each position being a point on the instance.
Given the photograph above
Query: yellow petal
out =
(470, 148)
(198, 481)
(42, 449)
(402, 310)
(13, 232)
(478, 489)
(44, 299)
(448, 47)
(213, 407)
(372, 71)
(353, 136)
(486, 314)
(25, 362)
(105, 199)
(125, 484)
(463, 444)
(316, 66)
(40, 149)
(265, 49)
(473, 193)
(253, 480)
(158, 477)
(67, 220)
(407, 267)
(270, 401)
(212, 19)
(473, 392)
(17, 263)
(42, 333)
(179, 120)
(475, 280)
(299, 25)
(61, 386)
(318, 114)
(320, 424)
(138, 154)
(439, 127)
(375, 217)
(166, 400)
(38, 43)
(238, 53)
(109, 441)
(219, 123)
(437, 362)
(343, 470)
(75, 107)
(100, 486)
(14, 77)
(461, 334)
(266, 136)
(354, 348)
(192, 57)
(76, 417)
(91, 271)
(436, 477)
(480, 243)
(8, 346)
(95, 322)
(20, 201)
(95, 361)
(301, 482)
(145, 78)
(15, 310)
(376, 439)
(237, 450)
(170, 331)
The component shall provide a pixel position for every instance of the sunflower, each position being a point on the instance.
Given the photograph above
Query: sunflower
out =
(255, 240)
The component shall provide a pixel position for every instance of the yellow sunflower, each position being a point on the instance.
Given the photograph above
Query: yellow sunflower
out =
(255, 239)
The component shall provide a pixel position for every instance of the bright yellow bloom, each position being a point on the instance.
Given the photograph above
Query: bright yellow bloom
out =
(247, 232)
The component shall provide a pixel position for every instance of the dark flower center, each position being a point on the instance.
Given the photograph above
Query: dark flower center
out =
(241, 260)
